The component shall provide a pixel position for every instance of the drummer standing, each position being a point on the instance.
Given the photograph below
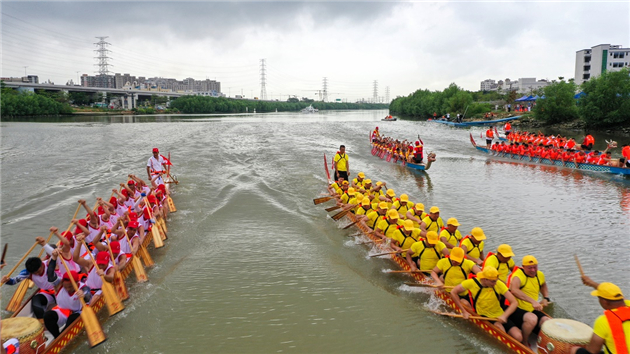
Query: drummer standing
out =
(611, 331)
(156, 164)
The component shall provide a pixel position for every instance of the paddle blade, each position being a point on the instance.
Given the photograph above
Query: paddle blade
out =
(340, 215)
(157, 238)
(93, 328)
(141, 275)
(350, 225)
(121, 288)
(163, 225)
(333, 208)
(321, 200)
(114, 304)
(146, 257)
(171, 205)
(18, 296)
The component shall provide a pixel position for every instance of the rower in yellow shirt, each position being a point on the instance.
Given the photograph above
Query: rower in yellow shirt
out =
(527, 283)
(405, 236)
(501, 261)
(611, 331)
(426, 253)
(485, 291)
(416, 214)
(389, 197)
(433, 222)
(385, 228)
(376, 215)
(473, 245)
(359, 181)
(402, 205)
(453, 270)
(450, 235)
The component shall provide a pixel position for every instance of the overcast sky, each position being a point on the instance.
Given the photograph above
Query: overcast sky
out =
(404, 46)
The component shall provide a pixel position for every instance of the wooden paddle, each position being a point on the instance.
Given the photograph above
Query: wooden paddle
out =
(409, 271)
(350, 225)
(4, 253)
(333, 208)
(20, 261)
(457, 315)
(114, 304)
(386, 253)
(579, 265)
(93, 328)
(428, 285)
(16, 300)
(155, 229)
(321, 200)
(343, 213)
(141, 275)
(121, 287)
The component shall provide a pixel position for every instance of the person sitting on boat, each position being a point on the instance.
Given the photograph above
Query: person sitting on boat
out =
(625, 156)
(453, 270)
(501, 261)
(526, 283)
(156, 165)
(363, 209)
(359, 181)
(387, 225)
(432, 222)
(570, 144)
(68, 244)
(375, 134)
(489, 137)
(375, 215)
(346, 196)
(495, 148)
(389, 197)
(418, 153)
(335, 187)
(485, 291)
(341, 191)
(611, 331)
(554, 154)
(135, 234)
(473, 245)
(68, 307)
(342, 163)
(604, 159)
(104, 268)
(416, 214)
(404, 237)
(588, 142)
(36, 270)
(580, 157)
(425, 253)
(402, 205)
(450, 235)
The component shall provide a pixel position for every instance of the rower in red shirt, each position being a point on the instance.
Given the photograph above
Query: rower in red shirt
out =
(579, 158)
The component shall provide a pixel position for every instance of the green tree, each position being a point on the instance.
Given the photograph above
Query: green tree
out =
(606, 99)
(558, 106)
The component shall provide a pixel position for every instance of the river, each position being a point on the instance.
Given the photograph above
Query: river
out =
(252, 266)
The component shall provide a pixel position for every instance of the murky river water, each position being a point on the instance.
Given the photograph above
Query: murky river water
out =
(252, 266)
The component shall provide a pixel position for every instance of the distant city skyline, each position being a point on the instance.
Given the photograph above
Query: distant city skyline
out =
(403, 46)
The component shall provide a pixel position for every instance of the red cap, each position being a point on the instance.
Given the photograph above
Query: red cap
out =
(133, 216)
(113, 201)
(115, 245)
(156, 150)
(124, 193)
(101, 211)
(83, 222)
(162, 187)
(145, 213)
(131, 182)
(152, 199)
(102, 257)
(376, 128)
(133, 223)
(75, 275)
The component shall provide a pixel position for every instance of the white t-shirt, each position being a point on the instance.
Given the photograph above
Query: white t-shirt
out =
(156, 164)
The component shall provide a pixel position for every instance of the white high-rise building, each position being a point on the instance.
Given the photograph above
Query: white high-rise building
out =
(600, 58)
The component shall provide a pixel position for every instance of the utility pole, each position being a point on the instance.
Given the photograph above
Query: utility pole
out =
(25, 70)
(263, 88)
(325, 98)
(102, 56)
(375, 93)
(78, 81)
(387, 94)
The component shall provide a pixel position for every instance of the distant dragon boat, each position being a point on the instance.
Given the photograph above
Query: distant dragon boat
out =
(473, 123)
(544, 161)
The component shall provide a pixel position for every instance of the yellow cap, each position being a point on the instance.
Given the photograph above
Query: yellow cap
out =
(457, 254)
(367, 181)
(392, 214)
(383, 205)
(489, 273)
(608, 291)
(365, 201)
(345, 182)
(351, 191)
(434, 209)
(358, 195)
(404, 198)
(361, 175)
(408, 224)
(505, 251)
(419, 206)
(432, 237)
(379, 183)
(390, 192)
(529, 260)
(478, 234)
(452, 221)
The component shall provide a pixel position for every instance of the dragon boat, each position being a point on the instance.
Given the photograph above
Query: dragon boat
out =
(544, 161)
(473, 123)
(41, 341)
(389, 156)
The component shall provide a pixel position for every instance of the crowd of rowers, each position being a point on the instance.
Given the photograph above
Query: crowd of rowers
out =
(555, 147)
(107, 237)
(399, 150)
(490, 284)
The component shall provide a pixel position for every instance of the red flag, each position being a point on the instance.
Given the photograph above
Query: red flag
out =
(168, 162)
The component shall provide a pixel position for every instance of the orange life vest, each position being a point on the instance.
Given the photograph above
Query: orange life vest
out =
(489, 134)
(616, 318)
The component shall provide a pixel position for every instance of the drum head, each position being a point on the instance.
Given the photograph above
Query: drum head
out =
(20, 327)
(567, 331)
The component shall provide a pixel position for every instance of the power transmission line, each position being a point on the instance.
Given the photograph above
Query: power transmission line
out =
(325, 97)
(375, 94)
(387, 94)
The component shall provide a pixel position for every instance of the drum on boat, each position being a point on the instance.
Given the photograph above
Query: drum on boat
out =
(558, 335)
(28, 331)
